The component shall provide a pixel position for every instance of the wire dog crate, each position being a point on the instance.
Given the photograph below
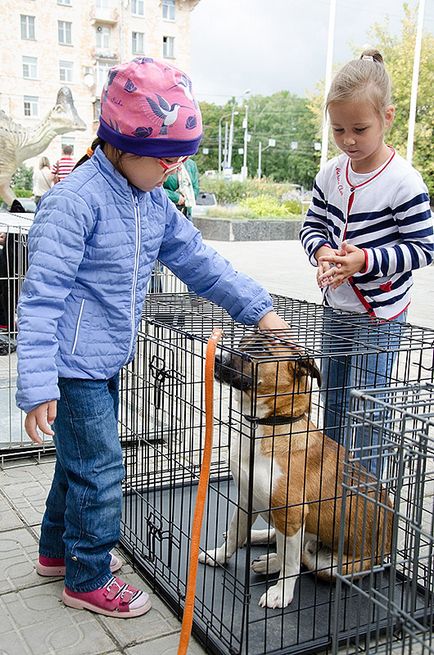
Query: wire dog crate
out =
(13, 265)
(271, 465)
(399, 596)
(14, 230)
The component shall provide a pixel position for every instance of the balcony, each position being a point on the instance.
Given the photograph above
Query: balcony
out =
(106, 54)
(105, 15)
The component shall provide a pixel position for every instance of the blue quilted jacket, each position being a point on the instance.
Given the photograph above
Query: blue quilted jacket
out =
(92, 247)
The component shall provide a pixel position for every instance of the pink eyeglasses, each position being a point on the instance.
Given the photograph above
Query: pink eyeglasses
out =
(174, 165)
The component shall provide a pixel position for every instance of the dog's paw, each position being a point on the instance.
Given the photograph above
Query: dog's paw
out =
(266, 564)
(214, 557)
(278, 596)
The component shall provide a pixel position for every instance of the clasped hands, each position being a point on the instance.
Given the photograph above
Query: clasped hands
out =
(336, 266)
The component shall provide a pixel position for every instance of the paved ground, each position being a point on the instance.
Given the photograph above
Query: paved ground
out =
(33, 620)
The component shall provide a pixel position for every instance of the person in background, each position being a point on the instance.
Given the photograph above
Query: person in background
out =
(64, 165)
(368, 227)
(92, 246)
(42, 179)
(182, 187)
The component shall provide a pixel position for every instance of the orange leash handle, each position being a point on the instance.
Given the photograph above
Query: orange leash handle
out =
(187, 620)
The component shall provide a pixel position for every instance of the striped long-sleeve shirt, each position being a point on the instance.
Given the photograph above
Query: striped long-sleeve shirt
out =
(386, 213)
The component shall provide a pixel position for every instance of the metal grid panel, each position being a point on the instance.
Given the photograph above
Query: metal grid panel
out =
(14, 229)
(402, 417)
(162, 424)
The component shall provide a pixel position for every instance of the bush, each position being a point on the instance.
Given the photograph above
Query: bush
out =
(232, 192)
(258, 207)
(265, 206)
(22, 179)
(22, 193)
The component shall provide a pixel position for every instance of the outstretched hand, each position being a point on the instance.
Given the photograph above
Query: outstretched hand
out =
(272, 321)
(342, 263)
(41, 417)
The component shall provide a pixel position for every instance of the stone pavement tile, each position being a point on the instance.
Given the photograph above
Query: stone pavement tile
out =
(35, 622)
(28, 498)
(158, 621)
(165, 646)
(9, 519)
(12, 473)
(18, 553)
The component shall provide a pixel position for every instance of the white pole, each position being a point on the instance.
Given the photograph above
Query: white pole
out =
(244, 171)
(225, 151)
(220, 146)
(231, 137)
(415, 81)
(328, 79)
(259, 160)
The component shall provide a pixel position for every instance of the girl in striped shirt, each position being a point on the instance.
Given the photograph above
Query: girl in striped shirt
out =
(369, 225)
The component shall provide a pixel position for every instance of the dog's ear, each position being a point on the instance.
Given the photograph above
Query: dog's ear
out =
(308, 367)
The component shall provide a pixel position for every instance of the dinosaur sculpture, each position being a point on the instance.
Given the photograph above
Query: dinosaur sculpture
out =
(18, 143)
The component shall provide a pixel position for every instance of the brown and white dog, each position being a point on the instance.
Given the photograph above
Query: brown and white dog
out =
(297, 476)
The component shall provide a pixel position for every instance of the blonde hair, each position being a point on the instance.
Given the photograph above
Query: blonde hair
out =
(365, 78)
(44, 162)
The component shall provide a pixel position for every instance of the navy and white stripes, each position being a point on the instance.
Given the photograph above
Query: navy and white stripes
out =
(390, 218)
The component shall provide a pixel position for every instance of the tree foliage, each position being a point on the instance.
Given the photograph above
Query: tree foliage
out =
(284, 117)
(398, 54)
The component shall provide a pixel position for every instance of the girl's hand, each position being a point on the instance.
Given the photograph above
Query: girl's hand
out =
(181, 200)
(323, 266)
(344, 263)
(272, 321)
(41, 417)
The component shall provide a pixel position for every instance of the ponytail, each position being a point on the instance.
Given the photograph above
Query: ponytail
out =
(89, 152)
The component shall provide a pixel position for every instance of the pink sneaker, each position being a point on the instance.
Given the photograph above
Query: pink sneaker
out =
(116, 598)
(55, 567)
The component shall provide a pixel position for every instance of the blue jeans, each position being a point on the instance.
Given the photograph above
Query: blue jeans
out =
(346, 366)
(83, 509)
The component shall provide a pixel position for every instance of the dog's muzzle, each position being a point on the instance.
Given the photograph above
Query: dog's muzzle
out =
(234, 371)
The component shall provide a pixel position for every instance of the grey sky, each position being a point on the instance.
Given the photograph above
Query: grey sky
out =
(270, 45)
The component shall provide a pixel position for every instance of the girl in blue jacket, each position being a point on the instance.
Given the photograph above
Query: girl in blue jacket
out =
(94, 242)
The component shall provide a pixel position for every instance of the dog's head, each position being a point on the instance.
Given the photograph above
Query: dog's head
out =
(273, 371)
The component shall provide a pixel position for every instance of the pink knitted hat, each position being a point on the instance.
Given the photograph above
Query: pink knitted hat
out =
(147, 108)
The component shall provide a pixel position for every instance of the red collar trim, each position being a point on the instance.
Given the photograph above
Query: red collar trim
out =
(357, 186)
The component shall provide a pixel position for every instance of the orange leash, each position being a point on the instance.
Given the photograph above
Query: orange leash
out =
(187, 620)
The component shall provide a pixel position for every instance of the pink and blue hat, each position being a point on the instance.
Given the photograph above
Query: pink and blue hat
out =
(148, 109)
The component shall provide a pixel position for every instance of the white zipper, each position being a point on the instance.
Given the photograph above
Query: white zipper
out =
(77, 328)
(135, 275)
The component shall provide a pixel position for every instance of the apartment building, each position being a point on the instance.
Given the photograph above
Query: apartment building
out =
(47, 44)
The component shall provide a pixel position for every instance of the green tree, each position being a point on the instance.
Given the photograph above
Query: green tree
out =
(284, 117)
(398, 52)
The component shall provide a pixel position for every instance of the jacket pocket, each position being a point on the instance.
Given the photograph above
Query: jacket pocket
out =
(77, 327)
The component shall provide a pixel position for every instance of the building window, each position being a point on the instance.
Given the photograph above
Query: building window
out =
(138, 7)
(138, 46)
(66, 71)
(169, 47)
(169, 9)
(103, 37)
(64, 32)
(30, 68)
(102, 70)
(66, 3)
(28, 27)
(102, 4)
(31, 106)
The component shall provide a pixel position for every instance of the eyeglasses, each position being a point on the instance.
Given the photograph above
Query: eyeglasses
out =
(174, 165)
